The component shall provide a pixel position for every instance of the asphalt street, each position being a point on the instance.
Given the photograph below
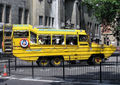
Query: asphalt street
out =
(54, 75)
(5, 81)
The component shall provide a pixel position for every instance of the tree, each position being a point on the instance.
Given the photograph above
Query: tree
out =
(104, 10)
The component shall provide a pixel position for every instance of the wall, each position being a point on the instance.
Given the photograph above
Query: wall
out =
(14, 4)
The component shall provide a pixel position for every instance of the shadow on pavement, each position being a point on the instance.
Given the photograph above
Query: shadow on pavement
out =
(92, 78)
(3, 81)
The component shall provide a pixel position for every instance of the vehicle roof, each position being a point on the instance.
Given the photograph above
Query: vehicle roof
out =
(46, 30)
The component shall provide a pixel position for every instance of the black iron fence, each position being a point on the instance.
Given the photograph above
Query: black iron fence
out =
(80, 70)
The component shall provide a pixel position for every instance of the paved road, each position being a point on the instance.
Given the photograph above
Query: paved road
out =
(5, 81)
(110, 70)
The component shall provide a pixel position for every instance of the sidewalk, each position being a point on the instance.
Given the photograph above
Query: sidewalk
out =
(15, 81)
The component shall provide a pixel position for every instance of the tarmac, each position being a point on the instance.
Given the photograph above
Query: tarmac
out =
(15, 81)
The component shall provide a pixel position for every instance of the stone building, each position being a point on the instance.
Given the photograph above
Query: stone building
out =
(59, 14)
(69, 14)
(78, 16)
(14, 11)
(52, 13)
(42, 12)
(46, 13)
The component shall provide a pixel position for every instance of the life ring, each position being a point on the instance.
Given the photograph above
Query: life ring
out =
(24, 43)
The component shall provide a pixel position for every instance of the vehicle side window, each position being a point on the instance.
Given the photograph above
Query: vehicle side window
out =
(83, 38)
(20, 34)
(44, 39)
(33, 37)
(58, 40)
(71, 40)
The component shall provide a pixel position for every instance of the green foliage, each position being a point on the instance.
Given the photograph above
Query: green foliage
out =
(118, 28)
(104, 10)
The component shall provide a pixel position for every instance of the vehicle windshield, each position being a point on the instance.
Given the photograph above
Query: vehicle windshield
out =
(83, 38)
(21, 34)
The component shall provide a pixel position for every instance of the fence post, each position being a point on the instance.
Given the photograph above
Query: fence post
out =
(32, 70)
(116, 60)
(100, 72)
(15, 63)
(69, 61)
(63, 70)
(9, 66)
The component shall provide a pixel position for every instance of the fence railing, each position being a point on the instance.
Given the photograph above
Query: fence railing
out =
(109, 70)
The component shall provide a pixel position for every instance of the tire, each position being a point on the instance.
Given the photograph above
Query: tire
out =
(56, 61)
(90, 62)
(95, 60)
(43, 62)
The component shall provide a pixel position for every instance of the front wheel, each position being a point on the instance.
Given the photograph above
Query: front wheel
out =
(95, 60)
(56, 61)
(43, 62)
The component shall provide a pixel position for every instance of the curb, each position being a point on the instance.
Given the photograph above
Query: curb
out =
(64, 81)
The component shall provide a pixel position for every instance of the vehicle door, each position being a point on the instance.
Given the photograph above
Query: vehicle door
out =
(72, 46)
(84, 47)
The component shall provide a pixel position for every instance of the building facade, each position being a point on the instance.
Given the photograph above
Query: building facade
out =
(67, 14)
(78, 16)
(51, 13)
(14, 11)
(59, 14)
(46, 13)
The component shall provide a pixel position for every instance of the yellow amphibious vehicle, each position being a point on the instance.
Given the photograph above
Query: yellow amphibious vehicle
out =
(52, 46)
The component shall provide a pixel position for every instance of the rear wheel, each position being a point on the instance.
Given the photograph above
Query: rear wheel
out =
(56, 61)
(43, 62)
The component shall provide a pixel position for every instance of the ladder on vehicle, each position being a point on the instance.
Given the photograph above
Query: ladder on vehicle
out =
(8, 46)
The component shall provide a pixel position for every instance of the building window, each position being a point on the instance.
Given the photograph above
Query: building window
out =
(52, 21)
(90, 25)
(40, 0)
(104, 40)
(8, 9)
(40, 20)
(49, 21)
(20, 15)
(1, 12)
(108, 41)
(49, 1)
(26, 16)
(46, 18)
(96, 30)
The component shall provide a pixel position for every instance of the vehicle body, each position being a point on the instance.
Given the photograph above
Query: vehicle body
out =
(52, 46)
